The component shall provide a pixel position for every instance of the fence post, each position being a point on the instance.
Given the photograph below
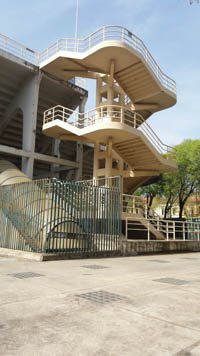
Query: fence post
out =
(158, 227)
(134, 120)
(104, 33)
(174, 230)
(126, 228)
(148, 231)
(167, 231)
(184, 231)
(122, 115)
(53, 114)
(146, 212)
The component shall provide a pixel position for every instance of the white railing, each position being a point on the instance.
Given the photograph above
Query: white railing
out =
(18, 50)
(109, 33)
(81, 82)
(137, 205)
(170, 229)
(27, 54)
(106, 33)
(114, 114)
(133, 204)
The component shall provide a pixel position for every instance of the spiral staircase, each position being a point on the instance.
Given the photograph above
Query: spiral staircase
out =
(130, 87)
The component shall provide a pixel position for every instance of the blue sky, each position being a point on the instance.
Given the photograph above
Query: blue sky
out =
(169, 28)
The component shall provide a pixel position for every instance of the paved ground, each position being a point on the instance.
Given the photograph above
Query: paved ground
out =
(129, 306)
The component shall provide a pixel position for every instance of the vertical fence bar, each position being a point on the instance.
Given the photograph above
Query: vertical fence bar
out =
(174, 230)
(167, 228)
(148, 227)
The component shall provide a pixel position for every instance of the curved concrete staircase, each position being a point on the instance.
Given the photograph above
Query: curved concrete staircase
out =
(130, 88)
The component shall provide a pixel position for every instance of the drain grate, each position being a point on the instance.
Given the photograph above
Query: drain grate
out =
(26, 275)
(3, 326)
(5, 259)
(95, 266)
(159, 261)
(102, 297)
(189, 258)
(172, 281)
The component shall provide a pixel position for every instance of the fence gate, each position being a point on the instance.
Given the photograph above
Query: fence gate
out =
(51, 216)
(85, 218)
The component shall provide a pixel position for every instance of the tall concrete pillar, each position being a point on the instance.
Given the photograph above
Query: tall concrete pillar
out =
(55, 153)
(79, 145)
(29, 106)
(26, 100)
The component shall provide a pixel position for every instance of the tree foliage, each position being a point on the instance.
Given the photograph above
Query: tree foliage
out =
(187, 177)
(178, 185)
(150, 192)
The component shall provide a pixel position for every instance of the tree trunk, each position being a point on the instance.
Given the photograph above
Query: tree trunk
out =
(181, 206)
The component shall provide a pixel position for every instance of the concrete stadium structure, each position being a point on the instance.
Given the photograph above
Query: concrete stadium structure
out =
(25, 92)
(44, 135)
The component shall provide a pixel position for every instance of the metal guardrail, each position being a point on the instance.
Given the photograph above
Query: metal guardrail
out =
(133, 204)
(27, 54)
(115, 114)
(170, 229)
(17, 49)
(112, 183)
(110, 33)
(106, 33)
(57, 216)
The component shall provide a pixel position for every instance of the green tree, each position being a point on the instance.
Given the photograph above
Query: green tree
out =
(187, 177)
(150, 192)
(179, 184)
(169, 192)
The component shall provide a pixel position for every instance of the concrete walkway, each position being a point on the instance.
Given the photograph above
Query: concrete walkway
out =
(147, 305)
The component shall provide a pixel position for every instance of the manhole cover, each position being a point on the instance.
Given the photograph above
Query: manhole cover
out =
(4, 259)
(3, 326)
(95, 266)
(26, 275)
(159, 261)
(172, 281)
(102, 297)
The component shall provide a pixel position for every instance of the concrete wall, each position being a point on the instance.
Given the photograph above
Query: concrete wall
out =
(25, 93)
(134, 247)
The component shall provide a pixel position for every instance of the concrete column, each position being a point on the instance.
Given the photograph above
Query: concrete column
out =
(110, 101)
(109, 159)
(55, 153)
(79, 146)
(98, 91)
(98, 96)
(29, 106)
(96, 154)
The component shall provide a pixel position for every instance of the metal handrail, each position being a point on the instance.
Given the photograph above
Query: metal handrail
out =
(17, 49)
(170, 229)
(133, 204)
(111, 113)
(108, 33)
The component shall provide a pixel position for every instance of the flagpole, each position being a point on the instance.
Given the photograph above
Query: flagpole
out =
(76, 25)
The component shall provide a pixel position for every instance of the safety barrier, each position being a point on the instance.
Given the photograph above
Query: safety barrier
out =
(112, 113)
(106, 33)
(170, 229)
(54, 216)
(109, 33)
(17, 49)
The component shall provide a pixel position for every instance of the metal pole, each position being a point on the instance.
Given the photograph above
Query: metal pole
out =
(76, 25)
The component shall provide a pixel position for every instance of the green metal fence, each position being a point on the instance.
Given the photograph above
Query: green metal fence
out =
(51, 216)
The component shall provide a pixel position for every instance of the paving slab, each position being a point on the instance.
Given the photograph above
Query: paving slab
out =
(98, 307)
